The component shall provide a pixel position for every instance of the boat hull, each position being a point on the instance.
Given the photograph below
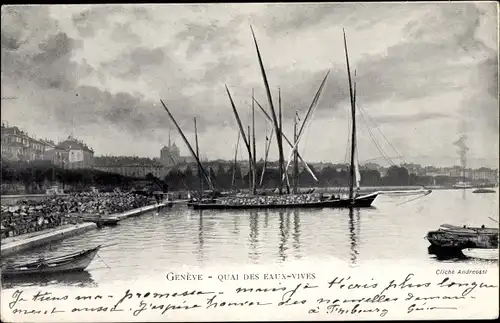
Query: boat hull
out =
(484, 254)
(101, 221)
(483, 191)
(74, 263)
(460, 238)
(359, 202)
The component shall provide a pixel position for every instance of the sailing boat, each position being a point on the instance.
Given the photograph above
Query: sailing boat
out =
(354, 200)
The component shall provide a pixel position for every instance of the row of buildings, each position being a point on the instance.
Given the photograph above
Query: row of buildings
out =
(71, 153)
(18, 145)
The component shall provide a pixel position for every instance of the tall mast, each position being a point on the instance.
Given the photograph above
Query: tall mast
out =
(288, 142)
(353, 115)
(198, 155)
(282, 159)
(271, 105)
(193, 153)
(268, 145)
(235, 161)
(240, 126)
(254, 164)
(250, 162)
(295, 157)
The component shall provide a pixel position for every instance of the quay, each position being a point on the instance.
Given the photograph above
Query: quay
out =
(139, 211)
(26, 241)
(13, 245)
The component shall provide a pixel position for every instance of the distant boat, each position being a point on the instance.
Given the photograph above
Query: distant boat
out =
(77, 261)
(484, 254)
(463, 185)
(484, 190)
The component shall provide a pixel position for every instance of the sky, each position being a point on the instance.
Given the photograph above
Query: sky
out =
(426, 77)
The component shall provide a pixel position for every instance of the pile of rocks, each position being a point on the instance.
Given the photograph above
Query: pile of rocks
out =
(270, 199)
(30, 216)
(26, 218)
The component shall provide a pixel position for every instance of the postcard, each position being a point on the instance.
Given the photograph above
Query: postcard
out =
(249, 161)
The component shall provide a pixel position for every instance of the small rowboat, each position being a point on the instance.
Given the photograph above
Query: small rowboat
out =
(100, 221)
(77, 261)
(484, 190)
(484, 254)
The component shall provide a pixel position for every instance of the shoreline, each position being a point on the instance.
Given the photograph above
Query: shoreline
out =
(32, 240)
(12, 198)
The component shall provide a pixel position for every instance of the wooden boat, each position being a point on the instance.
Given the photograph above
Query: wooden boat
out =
(450, 236)
(100, 221)
(463, 185)
(299, 200)
(73, 278)
(253, 202)
(77, 261)
(484, 190)
(484, 254)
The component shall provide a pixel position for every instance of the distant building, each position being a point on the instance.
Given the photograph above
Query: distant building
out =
(17, 145)
(71, 154)
(170, 155)
(485, 174)
(131, 166)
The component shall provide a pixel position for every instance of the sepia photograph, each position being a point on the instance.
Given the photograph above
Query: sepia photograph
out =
(249, 161)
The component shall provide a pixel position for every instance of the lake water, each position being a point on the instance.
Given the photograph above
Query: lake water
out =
(393, 230)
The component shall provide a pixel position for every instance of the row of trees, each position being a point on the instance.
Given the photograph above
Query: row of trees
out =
(38, 175)
(328, 177)
(35, 176)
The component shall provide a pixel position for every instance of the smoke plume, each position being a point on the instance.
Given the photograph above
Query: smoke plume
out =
(461, 143)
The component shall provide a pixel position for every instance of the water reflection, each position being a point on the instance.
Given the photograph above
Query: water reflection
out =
(236, 223)
(253, 236)
(74, 279)
(266, 219)
(200, 238)
(354, 229)
(186, 237)
(296, 233)
(284, 225)
(445, 253)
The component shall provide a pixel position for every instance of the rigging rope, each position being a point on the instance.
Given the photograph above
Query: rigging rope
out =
(416, 198)
(377, 144)
(378, 128)
(103, 261)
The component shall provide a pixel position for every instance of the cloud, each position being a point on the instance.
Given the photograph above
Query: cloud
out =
(109, 65)
(122, 33)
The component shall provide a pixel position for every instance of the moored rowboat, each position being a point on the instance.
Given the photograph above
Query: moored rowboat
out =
(484, 190)
(485, 254)
(77, 261)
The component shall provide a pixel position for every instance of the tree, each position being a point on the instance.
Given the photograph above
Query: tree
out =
(396, 176)
(238, 176)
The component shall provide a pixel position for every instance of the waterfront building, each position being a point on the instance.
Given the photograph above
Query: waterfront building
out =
(17, 145)
(71, 154)
(131, 166)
